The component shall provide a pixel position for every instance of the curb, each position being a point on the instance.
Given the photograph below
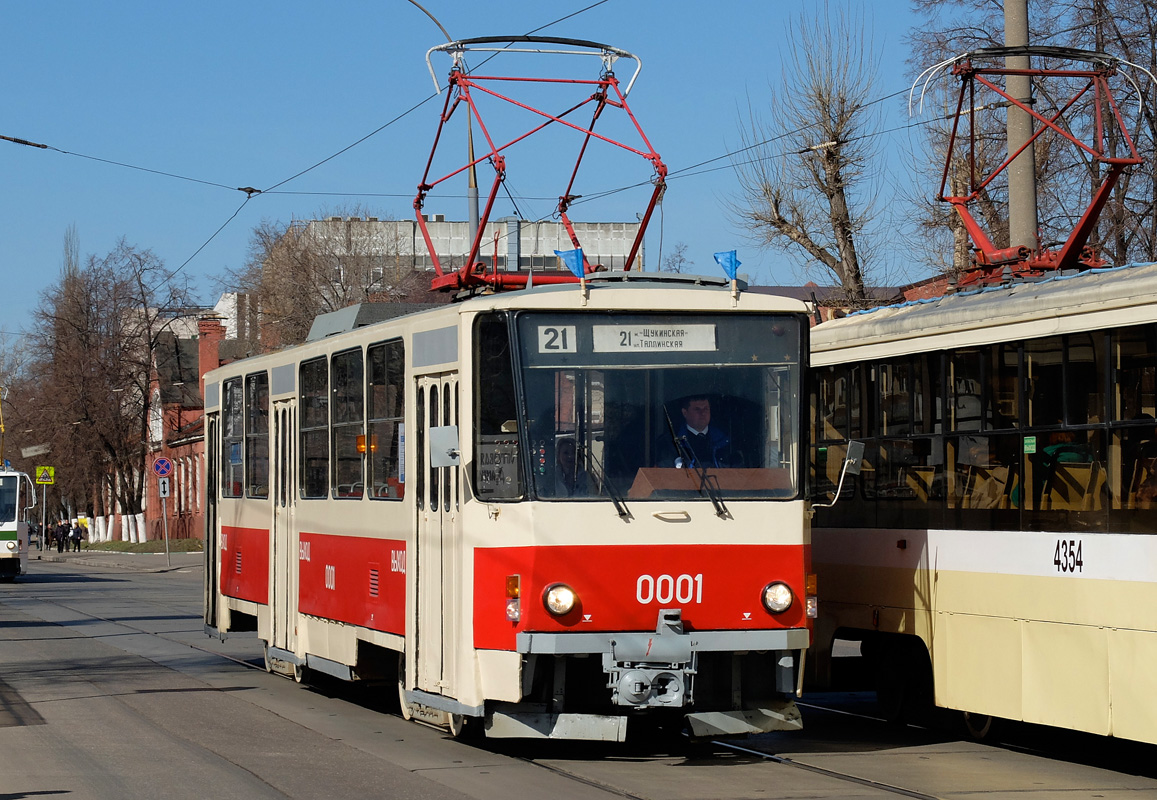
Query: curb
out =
(137, 562)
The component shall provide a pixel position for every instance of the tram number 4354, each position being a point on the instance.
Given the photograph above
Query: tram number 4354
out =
(1067, 557)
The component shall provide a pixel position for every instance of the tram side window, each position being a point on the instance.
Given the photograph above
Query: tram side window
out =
(1004, 386)
(232, 438)
(1085, 379)
(1135, 357)
(314, 428)
(348, 423)
(386, 366)
(838, 402)
(1044, 382)
(257, 434)
(966, 404)
(895, 393)
(837, 410)
(497, 471)
(927, 397)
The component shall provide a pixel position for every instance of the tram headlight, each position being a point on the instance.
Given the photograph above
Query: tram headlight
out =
(12, 545)
(777, 597)
(559, 599)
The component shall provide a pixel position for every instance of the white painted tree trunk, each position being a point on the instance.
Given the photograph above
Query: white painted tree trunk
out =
(142, 534)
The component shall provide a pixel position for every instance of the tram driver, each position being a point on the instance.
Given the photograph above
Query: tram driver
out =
(698, 443)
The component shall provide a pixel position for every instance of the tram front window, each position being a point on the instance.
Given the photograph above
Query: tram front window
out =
(642, 406)
(9, 486)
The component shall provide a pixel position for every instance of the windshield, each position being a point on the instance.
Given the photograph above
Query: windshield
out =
(9, 485)
(650, 406)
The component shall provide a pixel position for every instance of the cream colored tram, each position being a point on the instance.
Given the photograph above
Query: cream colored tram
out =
(494, 507)
(997, 552)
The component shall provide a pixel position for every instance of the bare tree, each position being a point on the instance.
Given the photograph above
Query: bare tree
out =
(805, 170)
(1066, 177)
(300, 269)
(677, 261)
(97, 331)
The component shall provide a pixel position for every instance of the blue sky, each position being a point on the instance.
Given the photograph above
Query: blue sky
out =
(243, 94)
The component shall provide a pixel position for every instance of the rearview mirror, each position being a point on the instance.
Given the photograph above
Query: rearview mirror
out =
(444, 446)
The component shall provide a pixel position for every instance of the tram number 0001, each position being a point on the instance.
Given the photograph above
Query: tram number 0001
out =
(665, 588)
(1067, 557)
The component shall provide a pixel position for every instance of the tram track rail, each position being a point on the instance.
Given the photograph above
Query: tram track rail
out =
(829, 773)
(539, 763)
(579, 771)
(561, 772)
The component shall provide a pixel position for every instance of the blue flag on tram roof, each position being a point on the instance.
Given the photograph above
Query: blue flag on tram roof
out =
(573, 259)
(729, 262)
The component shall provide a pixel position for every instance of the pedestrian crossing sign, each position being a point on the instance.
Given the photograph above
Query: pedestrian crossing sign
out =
(46, 474)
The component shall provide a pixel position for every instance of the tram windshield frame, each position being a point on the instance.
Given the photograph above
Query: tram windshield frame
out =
(612, 388)
(9, 498)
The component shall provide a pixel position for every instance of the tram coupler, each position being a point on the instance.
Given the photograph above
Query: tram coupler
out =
(652, 671)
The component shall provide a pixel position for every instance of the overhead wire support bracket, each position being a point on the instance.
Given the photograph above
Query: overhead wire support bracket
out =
(992, 264)
(462, 88)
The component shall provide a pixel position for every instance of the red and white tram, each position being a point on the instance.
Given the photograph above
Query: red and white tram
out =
(401, 502)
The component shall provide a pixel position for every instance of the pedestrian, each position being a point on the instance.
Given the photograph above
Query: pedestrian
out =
(75, 536)
(61, 536)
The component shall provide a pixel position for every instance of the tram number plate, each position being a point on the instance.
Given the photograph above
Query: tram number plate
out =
(1067, 556)
(557, 339)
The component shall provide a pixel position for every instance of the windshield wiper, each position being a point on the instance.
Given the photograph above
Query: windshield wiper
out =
(595, 467)
(687, 456)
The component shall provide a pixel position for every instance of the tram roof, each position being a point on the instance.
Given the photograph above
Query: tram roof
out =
(1088, 300)
(642, 291)
(627, 292)
(613, 290)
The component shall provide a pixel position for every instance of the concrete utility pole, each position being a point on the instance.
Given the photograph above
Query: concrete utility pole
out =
(1022, 218)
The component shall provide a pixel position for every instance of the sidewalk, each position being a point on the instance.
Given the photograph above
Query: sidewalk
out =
(138, 562)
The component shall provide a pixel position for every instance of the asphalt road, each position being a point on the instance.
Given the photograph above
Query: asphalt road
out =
(109, 688)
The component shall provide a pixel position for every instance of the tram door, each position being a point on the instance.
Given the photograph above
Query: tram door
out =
(285, 556)
(212, 547)
(439, 581)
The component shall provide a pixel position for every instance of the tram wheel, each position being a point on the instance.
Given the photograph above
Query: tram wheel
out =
(464, 727)
(301, 673)
(978, 726)
(268, 661)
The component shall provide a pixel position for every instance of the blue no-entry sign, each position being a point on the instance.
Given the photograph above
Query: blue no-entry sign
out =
(162, 467)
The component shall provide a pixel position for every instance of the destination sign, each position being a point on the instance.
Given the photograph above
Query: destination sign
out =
(668, 338)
